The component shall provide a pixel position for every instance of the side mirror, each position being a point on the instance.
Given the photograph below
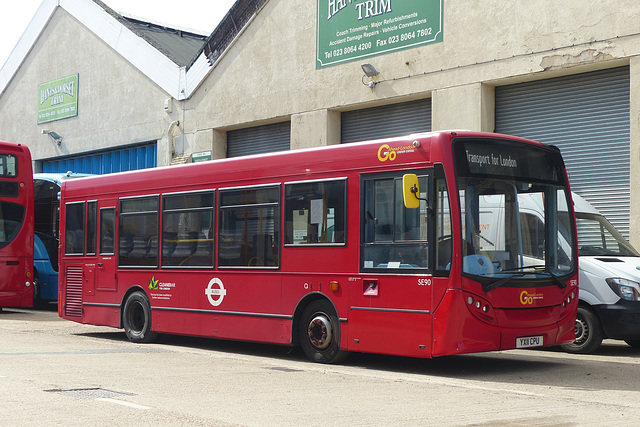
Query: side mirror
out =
(410, 191)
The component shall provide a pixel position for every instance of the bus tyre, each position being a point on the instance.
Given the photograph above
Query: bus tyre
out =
(37, 300)
(589, 333)
(136, 319)
(320, 333)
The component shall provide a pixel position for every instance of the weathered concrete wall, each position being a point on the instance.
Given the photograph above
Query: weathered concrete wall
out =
(268, 75)
(117, 105)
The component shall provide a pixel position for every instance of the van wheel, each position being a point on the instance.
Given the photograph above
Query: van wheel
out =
(589, 333)
(136, 319)
(319, 333)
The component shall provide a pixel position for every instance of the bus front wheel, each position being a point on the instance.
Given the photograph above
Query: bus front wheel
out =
(136, 319)
(320, 333)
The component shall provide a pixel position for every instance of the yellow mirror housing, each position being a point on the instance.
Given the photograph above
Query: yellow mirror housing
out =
(410, 191)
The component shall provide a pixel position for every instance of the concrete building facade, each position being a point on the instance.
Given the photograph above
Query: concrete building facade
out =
(563, 73)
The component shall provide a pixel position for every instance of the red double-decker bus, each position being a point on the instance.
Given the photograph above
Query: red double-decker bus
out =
(16, 226)
(414, 246)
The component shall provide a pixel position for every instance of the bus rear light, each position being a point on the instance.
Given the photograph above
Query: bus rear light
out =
(334, 286)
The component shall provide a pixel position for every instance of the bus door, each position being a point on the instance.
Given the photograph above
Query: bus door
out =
(105, 277)
(397, 278)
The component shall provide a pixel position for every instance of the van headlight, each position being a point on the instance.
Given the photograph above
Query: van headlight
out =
(625, 289)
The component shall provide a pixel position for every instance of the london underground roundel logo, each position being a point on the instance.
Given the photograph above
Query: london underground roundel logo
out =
(215, 291)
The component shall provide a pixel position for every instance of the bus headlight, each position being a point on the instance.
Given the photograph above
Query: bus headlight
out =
(625, 289)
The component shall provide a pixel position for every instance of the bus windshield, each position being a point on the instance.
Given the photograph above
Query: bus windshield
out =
(8, 165)
(514, 212)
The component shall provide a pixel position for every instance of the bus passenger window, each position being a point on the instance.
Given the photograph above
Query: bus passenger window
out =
(315, 212)
(74, 229)
(187, 229)
(107, 231)
(91, 227)
(444, 242)
(249, 227)
(394, 236)
(138, 232)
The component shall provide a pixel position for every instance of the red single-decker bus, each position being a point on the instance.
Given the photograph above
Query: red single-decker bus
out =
(415, 246)
(16, 226)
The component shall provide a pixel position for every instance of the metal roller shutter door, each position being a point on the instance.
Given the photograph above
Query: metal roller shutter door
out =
(587, 117)
(120, 160)
(386, 121)
(259, 140)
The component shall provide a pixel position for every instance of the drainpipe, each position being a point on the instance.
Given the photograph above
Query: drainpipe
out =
(172, 127)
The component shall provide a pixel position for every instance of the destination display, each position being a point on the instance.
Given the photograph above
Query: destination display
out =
(353, 29)
(504, 158)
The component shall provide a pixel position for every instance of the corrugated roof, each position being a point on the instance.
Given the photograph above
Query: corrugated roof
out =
(176, 60)
(178, 45)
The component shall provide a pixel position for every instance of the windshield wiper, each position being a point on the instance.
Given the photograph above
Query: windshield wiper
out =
(559, 282)
(496, 284)
(500, 282)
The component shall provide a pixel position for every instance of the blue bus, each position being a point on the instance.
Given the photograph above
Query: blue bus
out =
(46, 238)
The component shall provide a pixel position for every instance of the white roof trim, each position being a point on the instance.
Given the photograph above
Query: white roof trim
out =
(151, 62)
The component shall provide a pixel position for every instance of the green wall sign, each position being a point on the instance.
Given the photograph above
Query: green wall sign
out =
(58, 99)
(353, 29)
(202, 156)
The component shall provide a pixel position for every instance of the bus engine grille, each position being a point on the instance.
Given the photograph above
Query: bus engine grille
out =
(73, 291)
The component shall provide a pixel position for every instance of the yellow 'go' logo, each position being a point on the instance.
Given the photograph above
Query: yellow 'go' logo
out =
(385, 153)
(527, 298)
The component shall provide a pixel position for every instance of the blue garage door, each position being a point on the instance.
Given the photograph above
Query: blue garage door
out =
(120, 160)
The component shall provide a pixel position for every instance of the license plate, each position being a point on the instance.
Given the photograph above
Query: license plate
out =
(524, 342)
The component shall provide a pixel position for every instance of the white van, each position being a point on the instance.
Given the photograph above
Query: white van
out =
(609, 283)
(609, 266)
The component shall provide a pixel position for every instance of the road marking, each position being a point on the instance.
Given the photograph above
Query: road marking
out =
(122, 402)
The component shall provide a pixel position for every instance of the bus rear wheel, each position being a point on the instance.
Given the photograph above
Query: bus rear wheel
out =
(38, 302)
(136, 319)
(319, 333)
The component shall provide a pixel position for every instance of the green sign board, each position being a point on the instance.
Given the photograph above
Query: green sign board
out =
(58, 99)
(202, 156)
(353, 29)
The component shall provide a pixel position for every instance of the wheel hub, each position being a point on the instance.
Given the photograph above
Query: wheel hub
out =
(581, 331)
(320, 331)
